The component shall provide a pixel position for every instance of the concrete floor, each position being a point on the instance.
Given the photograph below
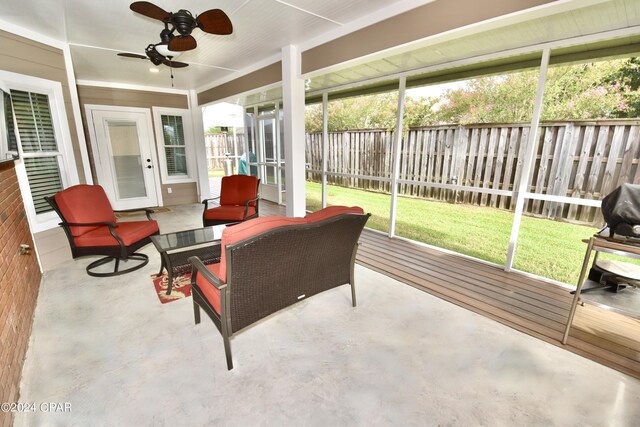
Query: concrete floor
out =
(118, 357)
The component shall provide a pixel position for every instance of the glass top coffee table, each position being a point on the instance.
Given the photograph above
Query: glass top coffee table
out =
(176, 248)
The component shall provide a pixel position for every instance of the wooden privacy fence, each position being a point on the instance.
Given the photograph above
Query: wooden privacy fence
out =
(580, 159)
(219, 144)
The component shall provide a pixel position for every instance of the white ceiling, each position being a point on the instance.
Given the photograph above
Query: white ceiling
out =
(97, 30)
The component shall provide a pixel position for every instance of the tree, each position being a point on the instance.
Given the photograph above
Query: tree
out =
(213, 130)
(598, 90)
(362, 112)
(584, 91)
(628, 76)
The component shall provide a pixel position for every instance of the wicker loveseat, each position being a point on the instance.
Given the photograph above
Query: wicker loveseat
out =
(270, 263)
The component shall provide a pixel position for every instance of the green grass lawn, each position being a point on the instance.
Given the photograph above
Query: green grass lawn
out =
(216, 173)
(547, 248)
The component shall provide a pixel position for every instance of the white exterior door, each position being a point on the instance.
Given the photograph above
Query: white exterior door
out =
(125, 158)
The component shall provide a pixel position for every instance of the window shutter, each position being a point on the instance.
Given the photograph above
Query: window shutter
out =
(37, 137)
(44, 180)
(35, 124)
(174, 145)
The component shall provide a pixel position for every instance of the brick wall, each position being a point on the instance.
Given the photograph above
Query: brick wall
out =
(19, 284)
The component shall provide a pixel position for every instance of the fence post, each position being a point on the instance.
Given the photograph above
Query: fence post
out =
(396, 157)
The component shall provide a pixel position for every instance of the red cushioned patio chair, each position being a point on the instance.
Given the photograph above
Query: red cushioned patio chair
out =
(90, 224)
(238, 201)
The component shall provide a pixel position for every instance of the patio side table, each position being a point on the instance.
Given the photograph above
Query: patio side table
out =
(629, 249)
(176, 248)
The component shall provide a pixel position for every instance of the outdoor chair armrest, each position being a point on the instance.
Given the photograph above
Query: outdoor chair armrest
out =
(88, 224)
(205, 202)
(255, 199)
(246, 205)
(198, 266)
(112, 229)
(147, 212)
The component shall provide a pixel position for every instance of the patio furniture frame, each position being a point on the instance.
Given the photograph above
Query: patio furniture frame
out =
(118, 253)
(278, 268)
(208, 222)
(175, 258)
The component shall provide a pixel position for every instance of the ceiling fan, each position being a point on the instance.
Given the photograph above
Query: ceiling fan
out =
(213, 21)
(155, 57)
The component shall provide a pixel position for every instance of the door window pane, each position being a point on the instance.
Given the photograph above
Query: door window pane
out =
(127, 161)
(271, 174)
(268, 133)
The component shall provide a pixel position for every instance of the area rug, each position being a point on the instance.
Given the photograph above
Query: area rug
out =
(181, 287)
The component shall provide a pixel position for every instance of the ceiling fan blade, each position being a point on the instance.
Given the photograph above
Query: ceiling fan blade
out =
(214, 21)
(174, 64)
(182, 43)
(132, 55)
(150, 10)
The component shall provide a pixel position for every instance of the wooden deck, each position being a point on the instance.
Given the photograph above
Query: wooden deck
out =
(532, 306)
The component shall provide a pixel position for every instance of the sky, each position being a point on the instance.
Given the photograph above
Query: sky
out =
(433, 91)
(223, 114)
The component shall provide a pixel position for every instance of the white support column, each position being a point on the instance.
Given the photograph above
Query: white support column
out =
(202, 170)
(77, 116)
(293, 106)
(397, 143)
(235, 150)
(532, 145)
(277, 135)
(325, 145)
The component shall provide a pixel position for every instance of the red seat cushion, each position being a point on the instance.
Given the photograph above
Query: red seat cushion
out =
(84, 204)
(211, 293)
(130, 232)
(237, 189)
(227, 212)
(247, 229)
(330, 211)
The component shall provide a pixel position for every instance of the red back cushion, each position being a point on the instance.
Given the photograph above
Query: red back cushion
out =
(247, 229)
(237, 189)
(330, 211)
(82, 204)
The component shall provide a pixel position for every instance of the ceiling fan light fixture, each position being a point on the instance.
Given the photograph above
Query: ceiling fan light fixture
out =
(154, 70)
(163, 49)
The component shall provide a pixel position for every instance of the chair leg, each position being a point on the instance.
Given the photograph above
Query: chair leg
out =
(353, 285)
(116, 272)
(225, 338)
(353, 293)
(196, 312)
(227, 351)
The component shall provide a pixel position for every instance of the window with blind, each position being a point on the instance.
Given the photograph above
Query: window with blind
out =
(40, 151)
(175, 149)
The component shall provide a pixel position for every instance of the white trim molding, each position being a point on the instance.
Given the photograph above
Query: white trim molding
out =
(68, 168)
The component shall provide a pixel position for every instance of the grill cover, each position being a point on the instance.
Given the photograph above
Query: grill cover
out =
(621, 209)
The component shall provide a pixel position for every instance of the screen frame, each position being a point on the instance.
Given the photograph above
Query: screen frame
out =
(6, 155)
